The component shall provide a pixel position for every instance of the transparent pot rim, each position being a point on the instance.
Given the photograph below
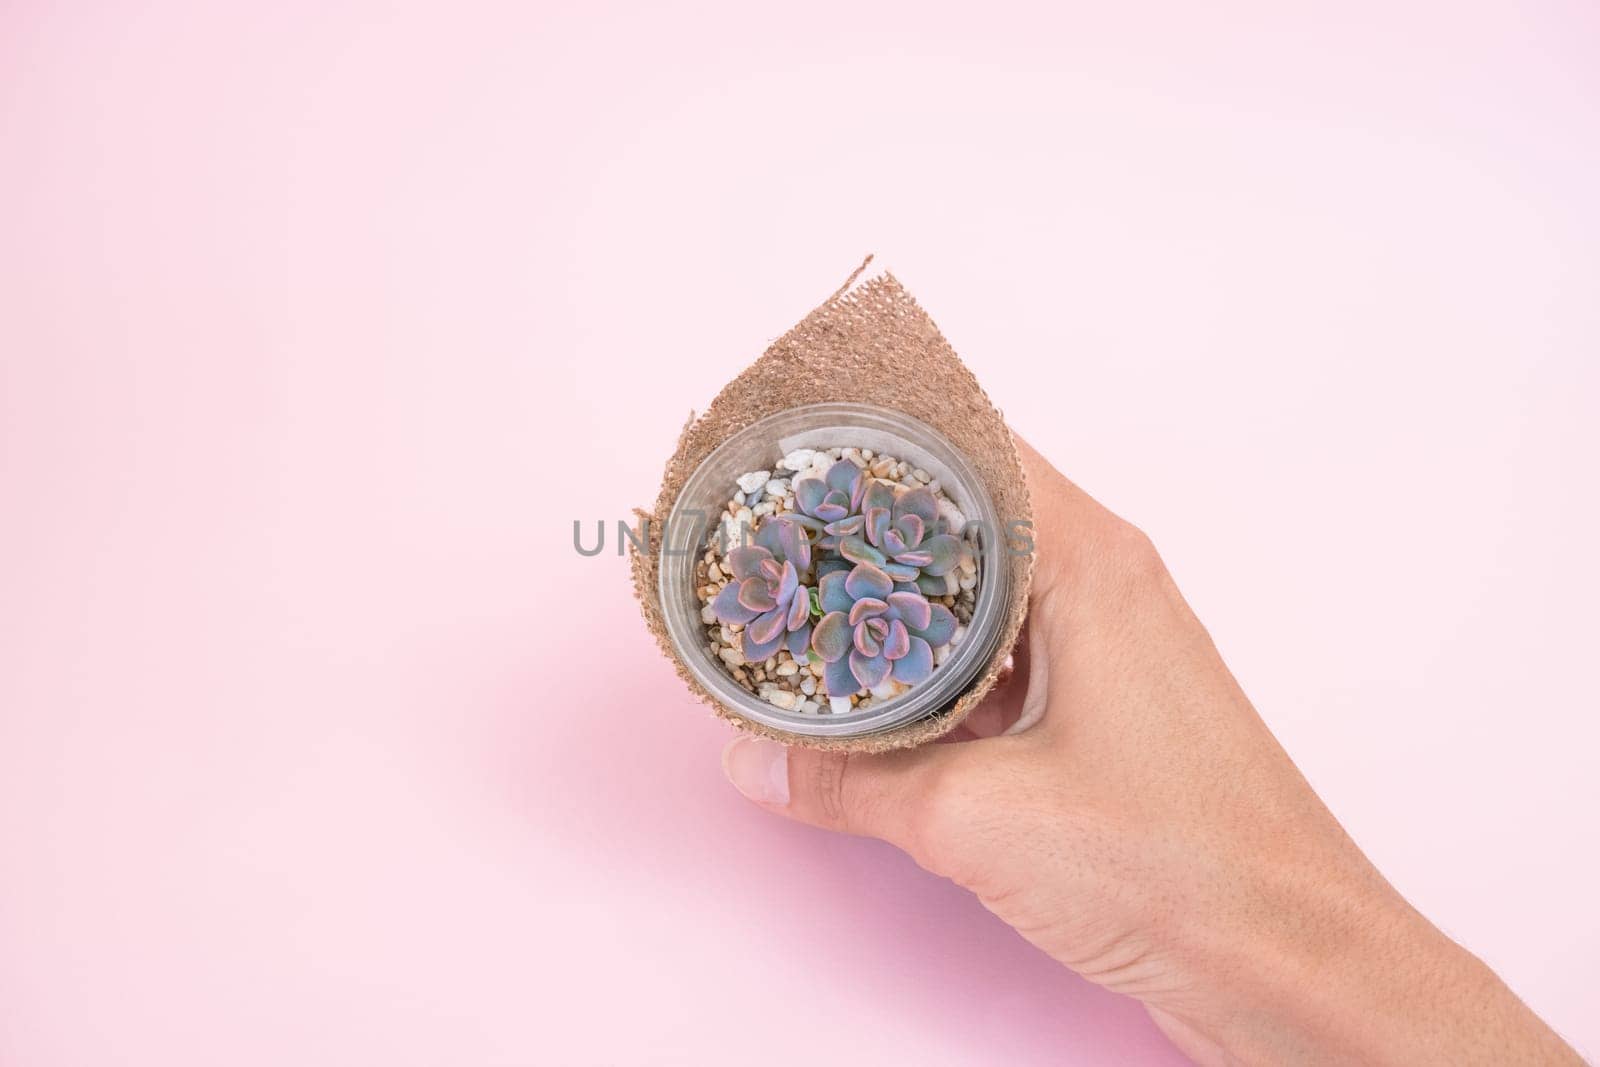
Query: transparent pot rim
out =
(833, 425)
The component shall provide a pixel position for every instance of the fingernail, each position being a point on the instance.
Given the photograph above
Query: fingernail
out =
(758, 768)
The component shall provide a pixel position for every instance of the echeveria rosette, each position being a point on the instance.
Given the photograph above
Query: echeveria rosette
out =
(766, 597)
(874, 629)
(832, 503)
(902, 534)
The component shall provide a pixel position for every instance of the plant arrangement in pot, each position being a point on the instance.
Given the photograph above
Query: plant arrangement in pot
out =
(837, 579)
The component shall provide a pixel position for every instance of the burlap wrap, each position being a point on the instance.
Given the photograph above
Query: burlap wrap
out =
(869, 344)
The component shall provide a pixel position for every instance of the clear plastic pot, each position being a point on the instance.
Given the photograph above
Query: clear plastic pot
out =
(822, 426)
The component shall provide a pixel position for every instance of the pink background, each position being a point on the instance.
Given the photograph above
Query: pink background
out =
(320, 323)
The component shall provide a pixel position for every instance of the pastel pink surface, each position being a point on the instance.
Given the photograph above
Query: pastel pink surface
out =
(319, 326)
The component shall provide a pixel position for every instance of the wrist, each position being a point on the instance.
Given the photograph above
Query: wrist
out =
(1336, 969)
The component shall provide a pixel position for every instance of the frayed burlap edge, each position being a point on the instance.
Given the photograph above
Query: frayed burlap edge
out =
(870, 344)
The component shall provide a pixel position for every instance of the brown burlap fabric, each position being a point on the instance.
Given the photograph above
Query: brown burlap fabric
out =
(870, 344)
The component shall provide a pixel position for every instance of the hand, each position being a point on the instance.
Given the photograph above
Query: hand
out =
(1145, 829)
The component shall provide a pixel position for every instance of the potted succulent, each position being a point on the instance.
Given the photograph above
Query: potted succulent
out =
(833, 557)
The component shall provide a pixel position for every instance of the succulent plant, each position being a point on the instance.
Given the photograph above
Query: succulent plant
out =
(833, 497)
(874, 628)
(766, 597)
(863, 520)
(905, 536)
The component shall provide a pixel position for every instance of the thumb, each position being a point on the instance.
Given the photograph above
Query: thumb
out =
(888, 796)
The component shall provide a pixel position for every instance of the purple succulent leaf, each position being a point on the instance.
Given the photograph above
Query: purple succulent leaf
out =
(769, 571)
(877, 521)
(897, 641)
(941, 626)
(877, 495)
(844, 476)
(867, 580)
(799, 610)
(769, 627)
(918, 502)
(945, 551)
(913, 608)
(808, 493)
(832, 566)
(746, 560)
(919, 558)
(728, 608)
(866, 642)
(831, 637)
(788, 582)
(832, 593)
(858, 551)
(911, 529)
(755, 594)
(916, 665)
(931, 586)
(767, 538)
(833, 509)
(796, 546)
(869, 670)
(893, 544)
(900, 572)
(798, 641)
(756, 651)
(838, 679)
(845, 527)
(866, 608)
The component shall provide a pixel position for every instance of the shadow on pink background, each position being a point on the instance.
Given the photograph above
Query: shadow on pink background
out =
(319, 326)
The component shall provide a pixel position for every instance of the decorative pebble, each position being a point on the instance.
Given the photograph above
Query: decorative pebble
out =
(808, 685)
(799, 459)
(919, 474)
(839, 705)
(708, 614)
(749, 483)
(785, 670)
(732, 657)
(782, 698)
(778, 487)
